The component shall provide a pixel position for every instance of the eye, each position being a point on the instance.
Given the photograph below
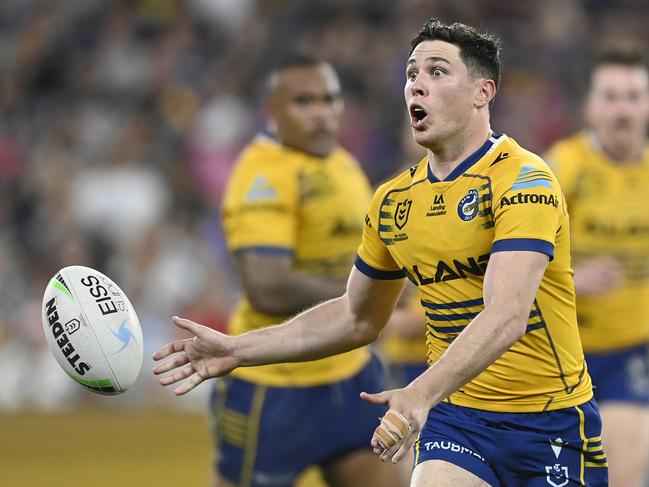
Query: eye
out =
(411, 75)
(437, 72)
(303, 100)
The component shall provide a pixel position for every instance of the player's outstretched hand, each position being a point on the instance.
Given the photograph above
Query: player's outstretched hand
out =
(208, 354)
(406, 416)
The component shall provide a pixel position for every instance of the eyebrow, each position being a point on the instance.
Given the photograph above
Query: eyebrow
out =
(431, 58)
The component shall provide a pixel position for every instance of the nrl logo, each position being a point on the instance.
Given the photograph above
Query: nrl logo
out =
(557, 475)
(402, 212)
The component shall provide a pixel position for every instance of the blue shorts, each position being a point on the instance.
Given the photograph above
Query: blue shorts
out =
(553, 448)
(400, 375)
(621, 375)
(267, 436)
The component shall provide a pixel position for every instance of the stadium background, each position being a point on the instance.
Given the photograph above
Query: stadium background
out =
(119, 121)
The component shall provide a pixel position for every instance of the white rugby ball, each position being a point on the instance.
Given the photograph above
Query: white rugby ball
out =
(92, 330)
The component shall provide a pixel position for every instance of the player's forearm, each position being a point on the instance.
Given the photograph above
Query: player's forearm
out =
(294, 292)
(486, 338)
(327, 329)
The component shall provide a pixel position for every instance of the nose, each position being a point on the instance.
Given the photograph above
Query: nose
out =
(417, 87)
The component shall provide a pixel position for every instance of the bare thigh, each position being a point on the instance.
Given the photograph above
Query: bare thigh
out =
(626, 442)
(363, 468)
(438, 473)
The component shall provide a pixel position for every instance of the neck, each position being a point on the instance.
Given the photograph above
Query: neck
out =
(622, 153)
(448, 154)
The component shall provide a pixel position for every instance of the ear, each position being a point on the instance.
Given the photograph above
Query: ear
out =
(485, 92)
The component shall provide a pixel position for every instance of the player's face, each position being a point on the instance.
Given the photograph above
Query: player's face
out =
(439, 92)
(306, 106)
(618, 105)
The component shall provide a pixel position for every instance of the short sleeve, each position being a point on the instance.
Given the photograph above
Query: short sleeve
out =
(260, 209)
(528, 210)
(373, 259)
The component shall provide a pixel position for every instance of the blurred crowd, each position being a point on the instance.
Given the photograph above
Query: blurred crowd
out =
(120, 120)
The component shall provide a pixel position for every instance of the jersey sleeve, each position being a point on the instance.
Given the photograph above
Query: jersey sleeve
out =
(374, 259)
(261, 207)
(528, 208)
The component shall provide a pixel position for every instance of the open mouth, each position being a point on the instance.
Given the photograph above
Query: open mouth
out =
(417, 114)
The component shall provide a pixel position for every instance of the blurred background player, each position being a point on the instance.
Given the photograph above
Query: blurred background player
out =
(293, 216)
(604, 173)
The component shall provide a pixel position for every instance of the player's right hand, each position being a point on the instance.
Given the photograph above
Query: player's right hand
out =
(206, 355)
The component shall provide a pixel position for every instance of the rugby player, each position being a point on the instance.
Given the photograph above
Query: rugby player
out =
(506, 399)
(293, 218)
(604, 173)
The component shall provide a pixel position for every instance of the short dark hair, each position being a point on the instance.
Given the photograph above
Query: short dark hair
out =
(287, 60)
(294, 59)
(479, 51)
(621, 53)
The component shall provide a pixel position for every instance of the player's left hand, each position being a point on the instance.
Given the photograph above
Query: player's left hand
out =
(409, 412)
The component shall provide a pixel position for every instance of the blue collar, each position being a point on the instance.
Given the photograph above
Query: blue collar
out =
(468, 162)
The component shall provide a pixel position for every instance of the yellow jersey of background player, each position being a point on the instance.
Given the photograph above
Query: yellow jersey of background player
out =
(283, 201)
(610, 223)
(604, 172)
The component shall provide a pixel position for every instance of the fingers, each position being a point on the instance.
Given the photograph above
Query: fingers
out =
(175, 377)
(169, 348)
(193, 381)
(172, 363)
(391, 435)
(188, 325)
(405, 447)
(382, 398)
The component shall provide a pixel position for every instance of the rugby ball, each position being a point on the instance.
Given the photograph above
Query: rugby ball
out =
(92, 330)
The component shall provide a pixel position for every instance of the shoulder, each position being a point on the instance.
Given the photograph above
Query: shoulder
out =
(522, 169)
(264, 157)
(264, 170)
(512, 160)
(566, 148)
(265, 153)
(344, 161)
(566, 158)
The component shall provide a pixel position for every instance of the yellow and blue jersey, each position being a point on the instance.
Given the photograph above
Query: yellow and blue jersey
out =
(440, 235)
(608, 219)
(283, 200)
